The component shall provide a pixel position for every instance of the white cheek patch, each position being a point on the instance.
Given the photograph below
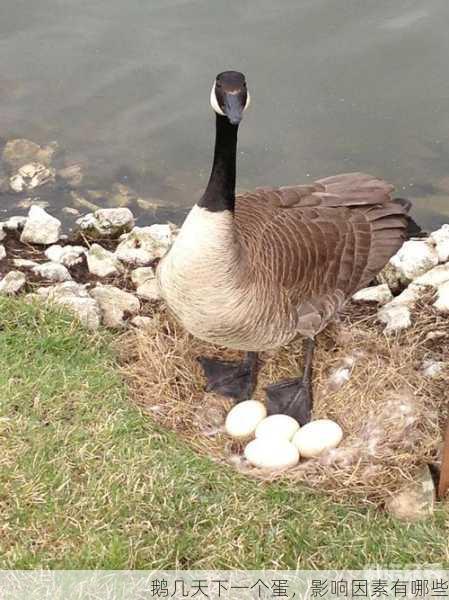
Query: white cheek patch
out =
(248, 101)
(214, 102)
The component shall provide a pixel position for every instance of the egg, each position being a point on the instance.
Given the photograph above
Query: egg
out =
(271, 453)
(278, 426)
(317, 436)
(244, 417)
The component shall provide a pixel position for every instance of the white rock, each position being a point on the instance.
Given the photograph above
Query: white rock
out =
(115, 304)
(40, 227)
(144, 244)
(272, 453)
(24, 263)
(144, 278)
(31, 176)
(103, 263)
(2, 232)
(277, 426)
(408, 297)
(75, 298)
(395, 317)
(66, 255)
(440, 237)
(435, 277)
(414, 258)
(12, 282)
(141, 275)
(432, 368)
(377, 293)
(2, 252)
(52, 271)
(442, 302)
(317, 436)
(106, 222)
(244, 417)
(15, 223)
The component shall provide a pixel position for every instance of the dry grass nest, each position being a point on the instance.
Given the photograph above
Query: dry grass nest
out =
(392, 415)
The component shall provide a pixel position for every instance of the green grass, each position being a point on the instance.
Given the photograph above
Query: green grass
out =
(88, 481)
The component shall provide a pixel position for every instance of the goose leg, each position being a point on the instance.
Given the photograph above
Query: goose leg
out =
(294, 397)
(234, 379)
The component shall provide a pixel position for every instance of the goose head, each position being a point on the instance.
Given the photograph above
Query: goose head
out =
(229, 96)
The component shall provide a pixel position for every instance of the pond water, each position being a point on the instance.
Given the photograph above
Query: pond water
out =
(123, 88)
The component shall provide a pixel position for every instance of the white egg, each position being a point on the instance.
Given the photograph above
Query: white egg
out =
(315, 437)
(279, 426)
(272, 453)
(244, 417)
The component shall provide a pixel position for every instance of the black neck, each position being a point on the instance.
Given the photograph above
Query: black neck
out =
(220, 191)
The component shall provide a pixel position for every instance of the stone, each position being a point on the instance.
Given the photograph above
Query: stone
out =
(2, 252)
(115, 304)
(24, 263)
(396, 317)
(144, 244)
(121, 195)
(15, 224)
(2, 233)
(30, 176)
(416, 500)
(440, 237)
(76, 299)
(377, 293)
(106, 223)
(70, 211)
(147, 287)
(414, 258)
(103, 263)
(19, 152)
(68, 256)
(409, 297)
(12, 283)
(432, 368)
(40, 227)
(82, 202)
(435, 277)
(442, 302)
(72, 175)
(52, 271)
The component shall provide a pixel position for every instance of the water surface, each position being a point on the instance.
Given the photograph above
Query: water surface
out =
(336, 86)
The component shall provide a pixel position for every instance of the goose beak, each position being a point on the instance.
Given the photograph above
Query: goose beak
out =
(233, 108)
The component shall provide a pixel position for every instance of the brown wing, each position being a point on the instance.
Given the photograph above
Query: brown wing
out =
(320, 243)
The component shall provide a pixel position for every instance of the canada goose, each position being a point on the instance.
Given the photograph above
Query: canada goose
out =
(253, 271)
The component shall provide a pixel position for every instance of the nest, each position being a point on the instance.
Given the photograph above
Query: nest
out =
(392, 415)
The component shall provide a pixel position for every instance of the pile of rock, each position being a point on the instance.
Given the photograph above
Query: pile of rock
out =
(420, 266)
(105, 277)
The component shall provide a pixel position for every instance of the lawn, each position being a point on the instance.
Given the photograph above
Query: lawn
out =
(88, 481)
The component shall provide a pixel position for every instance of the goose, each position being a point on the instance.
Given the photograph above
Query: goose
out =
(254, 271)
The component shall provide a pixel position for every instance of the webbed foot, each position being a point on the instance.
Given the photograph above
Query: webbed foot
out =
(291, 397)
(233, 379)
